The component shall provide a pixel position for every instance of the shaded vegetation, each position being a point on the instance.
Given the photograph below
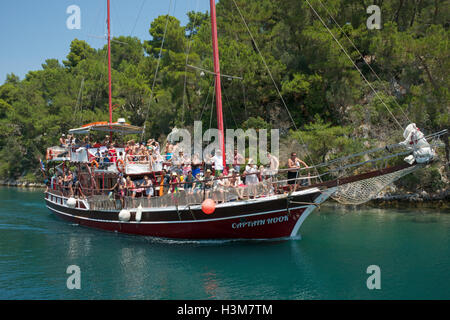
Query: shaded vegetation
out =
(334, 110)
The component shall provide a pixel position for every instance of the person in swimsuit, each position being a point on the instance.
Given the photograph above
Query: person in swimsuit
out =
(294, 165)
(148, 186)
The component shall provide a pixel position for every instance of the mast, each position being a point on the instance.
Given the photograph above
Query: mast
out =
(217, 76)
(109, 64)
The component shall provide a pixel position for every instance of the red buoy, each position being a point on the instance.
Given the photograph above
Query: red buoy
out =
(208, 206)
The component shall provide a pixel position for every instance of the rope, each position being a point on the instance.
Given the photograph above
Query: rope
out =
(274, 83)
(265, 64)
(100, 79)
(79, 100)
(373, 71)
(229, 106)
(156, 72)
(212, 104)
(206, 100)
(137, 18)
(185, 68)
(354, 64)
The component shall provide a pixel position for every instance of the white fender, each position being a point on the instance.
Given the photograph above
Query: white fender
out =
(71, 202)
(139, 213)
(124, 215)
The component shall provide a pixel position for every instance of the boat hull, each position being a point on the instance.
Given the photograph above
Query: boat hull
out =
(275, 218)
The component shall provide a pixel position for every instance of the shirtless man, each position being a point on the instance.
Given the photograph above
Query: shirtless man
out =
(294, 164)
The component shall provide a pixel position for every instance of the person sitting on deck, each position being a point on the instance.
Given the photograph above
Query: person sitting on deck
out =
(168, 150)
(208, 162)
(86, 142)
(251, 178)
(185, 163)
(222, 185)
(120, 189)
(147, 184)
(218, 163)
(62, 141)
(106, 141)
(78, 190)
(196, 164)
(130, 186)
(157, 161)
(165, 182)
(189, 182)
(207, 182)
(68, 182)
(235, 182)
(112, 154)
(174, 180)
(177, 162)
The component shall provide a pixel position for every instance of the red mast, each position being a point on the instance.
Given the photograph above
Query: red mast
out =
(109, 64)
(217, 75)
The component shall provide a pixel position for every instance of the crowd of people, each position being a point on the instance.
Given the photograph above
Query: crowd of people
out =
(180, 173)
(171, 171)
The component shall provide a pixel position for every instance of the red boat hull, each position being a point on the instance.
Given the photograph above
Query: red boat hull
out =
(263, 218)
(263, 226)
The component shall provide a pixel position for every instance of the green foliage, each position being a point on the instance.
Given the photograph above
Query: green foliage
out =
(79, 50)
(428, 180)
(326, 142)
(332, 106)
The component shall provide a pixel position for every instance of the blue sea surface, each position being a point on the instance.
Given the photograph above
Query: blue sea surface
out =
(328, 261)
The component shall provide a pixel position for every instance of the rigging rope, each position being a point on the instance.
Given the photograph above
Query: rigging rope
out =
(156, 71)
(354, 64)
(371, 69)
(212, 104)
(137, 18)
(79, 101)
(229, 106)
(274, 83)
(188, 50)
(206, 100)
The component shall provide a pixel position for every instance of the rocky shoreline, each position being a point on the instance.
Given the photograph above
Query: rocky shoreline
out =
(21, 184)
(439, 199)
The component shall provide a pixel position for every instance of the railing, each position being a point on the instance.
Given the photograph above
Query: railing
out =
(183, 199)
(271, 182)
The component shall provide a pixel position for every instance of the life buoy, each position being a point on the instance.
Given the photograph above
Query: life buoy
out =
(94, 162)
(120, 165)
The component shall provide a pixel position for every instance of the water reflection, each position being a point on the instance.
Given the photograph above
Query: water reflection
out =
(329, 262)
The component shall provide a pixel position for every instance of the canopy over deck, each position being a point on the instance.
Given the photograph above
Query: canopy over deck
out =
(120, 127)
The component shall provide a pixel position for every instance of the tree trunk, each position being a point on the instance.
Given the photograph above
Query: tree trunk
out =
(415, 12)
(397, 14)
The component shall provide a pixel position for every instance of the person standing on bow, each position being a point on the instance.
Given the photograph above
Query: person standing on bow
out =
(294, 165)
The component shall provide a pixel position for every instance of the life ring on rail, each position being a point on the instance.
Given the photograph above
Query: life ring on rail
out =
(120, 165)
(49, 155)
(94, 163)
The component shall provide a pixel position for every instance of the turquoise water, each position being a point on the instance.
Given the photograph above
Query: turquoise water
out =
(412, 249)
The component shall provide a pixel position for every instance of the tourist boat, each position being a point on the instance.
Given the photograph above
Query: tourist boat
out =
(272, 212)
